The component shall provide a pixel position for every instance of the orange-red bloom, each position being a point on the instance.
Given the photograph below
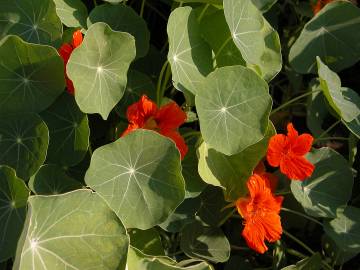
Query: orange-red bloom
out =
(166, 120)
(272, 178)
(261, 213)
(288, 151)
(65, 52)
(319, 5)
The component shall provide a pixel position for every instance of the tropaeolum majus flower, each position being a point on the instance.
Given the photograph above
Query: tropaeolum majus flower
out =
(287, 151)
(260, 210)
(65, 52)
(319, 4)
(165, 120)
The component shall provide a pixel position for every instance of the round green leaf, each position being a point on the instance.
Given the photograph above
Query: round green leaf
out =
(233, 105)
(209, 243)
(24, 140)
(50, 179)
(13, 198)
(320, 194)
(232, 172)
(31, 76)
(148, 241)
(72, 13)
(35, 21)
(189, 55)
(124, 19)
(98, 68)
(138, 84)
(344, 101)
(345, 229)
(264, 5)
(69, 131)
(139, 173)
(331, 36)
(257, 41)
(76, 230)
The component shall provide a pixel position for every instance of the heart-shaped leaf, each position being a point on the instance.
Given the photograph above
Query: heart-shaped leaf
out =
(233, 105)
(24, 140)
(139, 173)
(31, 76)
(98, 68)
(13, 198)
(76, 230)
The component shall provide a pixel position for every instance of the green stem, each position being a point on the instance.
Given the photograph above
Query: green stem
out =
(298, 241)
(203, 12)
(222, 47)
(142, 8)
(301, 215)
(191, 134)
(95, 4)
(233, 247)
(295, 253)
(227, 217)
(158, 87)
(280, 193)
(328, 130)
(156, 11)
(293, 100)
(165, 81)
(332, 138)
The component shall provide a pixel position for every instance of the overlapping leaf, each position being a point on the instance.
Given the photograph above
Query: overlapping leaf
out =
(31, 76)
(264, 5)
(139, 173)
(331, 36)
(13, 198)
(76, 230)
(72, 13)
(50, 179)
(98, 68)
(124, 19)
(189, 55)
(35, 21)
(69, 131)
(233, 105)
(320, 194)
(148, 241)
(24, 140)
(257, 41)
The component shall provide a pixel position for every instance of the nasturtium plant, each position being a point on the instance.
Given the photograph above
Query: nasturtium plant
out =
(179, 134)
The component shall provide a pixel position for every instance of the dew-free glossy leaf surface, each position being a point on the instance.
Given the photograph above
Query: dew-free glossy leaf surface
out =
(320, 194)
(98, 68)
(124, 19)
(331, 36)
(232, 172)
(209, 243)
(24, 140)
(31, 76)
(139, 173)
(233, 105)
(13, 197)
(35, 21)
(72, 13)
(51, 179)
(69, 131)
(76, 231)
(344, 101)
(345, 229)
(189, 55)
(257, 41)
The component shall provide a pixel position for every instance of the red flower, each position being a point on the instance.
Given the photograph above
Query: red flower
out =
(166, 120)
(272, 178)
(319, 5)
(65, 52)
(261, 213)
(288, 151)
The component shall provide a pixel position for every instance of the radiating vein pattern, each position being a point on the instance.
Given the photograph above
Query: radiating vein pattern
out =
(233, 109)
(139, 176)
(76, 231)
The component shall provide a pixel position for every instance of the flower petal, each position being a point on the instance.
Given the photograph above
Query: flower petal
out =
(138, 112)
(296, 167)
(130, 128)
(302, 144)
(170, 116)
(77, 39)
(292, 133)
(272, 226)
(65, 51)
(275, 152)
(178, 139)
(254, 235)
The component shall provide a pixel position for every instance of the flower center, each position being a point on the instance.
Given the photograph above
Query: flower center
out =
(150, 124)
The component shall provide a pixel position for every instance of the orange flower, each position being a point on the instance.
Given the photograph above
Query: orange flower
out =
(319, 5)
(65, 52)
(261, 213)
(272, 178)
(166, 120)
(288, 151)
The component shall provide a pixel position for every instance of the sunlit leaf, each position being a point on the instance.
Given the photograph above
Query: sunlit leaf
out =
(72, 13)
